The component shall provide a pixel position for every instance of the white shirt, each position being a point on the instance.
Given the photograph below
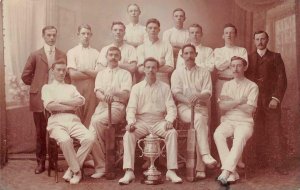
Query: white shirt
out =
(222, 57)
(204, 58)
(135, 33)
(157, 50)
(80, 57)
(113, 80)
(234, 90)
(261, 52)
(128, 54)
(153, 102)
(176, 37)
(57, 91)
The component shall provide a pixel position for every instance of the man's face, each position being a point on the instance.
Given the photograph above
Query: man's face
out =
(118, 32)
(113, 57)
(85, 36)
(133, 11)
(50, 36)
(237, 68)
(150, 69)
(152, 30)
(229, 35)
(261, 41)
(195, 34)
(178, 17)
(59, 72)
(189, 56)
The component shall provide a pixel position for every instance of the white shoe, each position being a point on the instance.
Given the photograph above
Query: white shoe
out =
(76, 178)
(127, 178)
(209, 161)
(172, 176)
(200, 175)
(233, 177)
(89, 163)
(98, 173)
(223, 177)
(68, 175)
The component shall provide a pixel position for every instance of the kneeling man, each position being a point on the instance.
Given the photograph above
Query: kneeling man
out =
(61, 100)
(238, 101)
(151, 109)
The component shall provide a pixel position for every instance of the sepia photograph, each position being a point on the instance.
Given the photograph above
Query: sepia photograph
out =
(139, 94)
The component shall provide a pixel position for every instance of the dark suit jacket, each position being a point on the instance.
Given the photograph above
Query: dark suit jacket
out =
(35, 74)
(272, 81)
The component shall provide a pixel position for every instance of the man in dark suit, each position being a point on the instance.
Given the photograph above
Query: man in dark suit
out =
(36, 73)
(266, 69)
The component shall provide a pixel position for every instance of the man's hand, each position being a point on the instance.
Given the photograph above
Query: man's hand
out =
(108, 98)
(162, 61)
(273, 104)
(130, 127)
(168, 125)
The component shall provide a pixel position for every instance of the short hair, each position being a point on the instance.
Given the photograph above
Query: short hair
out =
(60, 61)
(113, 48)
(239, 58)
(134, 4)
(118, 23)
(188, 45)
(152, 20)
(179, 9)
(260, 32)
(231, 26)
(153, 60)
(196, 26)
(48, 28)
(86, 26)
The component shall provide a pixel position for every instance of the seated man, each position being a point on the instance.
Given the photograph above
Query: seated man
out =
(61, 100)
(151, 108)
(192, 86)
(112, 85)
(238, 99)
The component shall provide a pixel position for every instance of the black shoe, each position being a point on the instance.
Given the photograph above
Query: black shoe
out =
(282, 170)
(39, 169)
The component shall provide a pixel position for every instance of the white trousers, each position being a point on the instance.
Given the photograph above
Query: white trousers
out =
(62, 127)
(97, 127)
(201, 127)
(241, 132)
(143, 128)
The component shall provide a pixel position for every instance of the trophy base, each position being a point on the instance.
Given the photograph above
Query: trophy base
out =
(151, 181)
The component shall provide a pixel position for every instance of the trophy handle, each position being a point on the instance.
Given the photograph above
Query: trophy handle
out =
(139, 144)
(162, 149)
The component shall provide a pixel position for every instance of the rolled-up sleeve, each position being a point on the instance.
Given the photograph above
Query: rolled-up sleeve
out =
(46, 96)
(132, 106)
(253, 95)
(76, 94)
(171, 107)
(126, 83)
(71, 59)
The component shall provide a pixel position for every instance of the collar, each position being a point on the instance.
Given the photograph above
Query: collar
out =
(192, 69)
(261, 52)
(55, 82)
(197, 46)
(239, 81)
(81, 46)
(148, 42)
(112, 70)
(145, 83)
(133, 25)
(48, 48)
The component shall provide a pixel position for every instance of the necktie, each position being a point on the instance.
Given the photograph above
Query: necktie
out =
(51, 59)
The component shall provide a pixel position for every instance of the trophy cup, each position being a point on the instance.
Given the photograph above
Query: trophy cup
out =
(151, 150)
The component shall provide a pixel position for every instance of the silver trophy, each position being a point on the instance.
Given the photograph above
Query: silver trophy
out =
(152, 150)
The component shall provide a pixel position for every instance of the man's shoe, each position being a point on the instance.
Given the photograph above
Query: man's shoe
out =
(200, 175)
(98, 175)
(76, 178)
(223, 177)
(209, 161)
(233, 177)
(128, 178)
(40, 168)
(173, 177)
(282, 170)
(68, 175)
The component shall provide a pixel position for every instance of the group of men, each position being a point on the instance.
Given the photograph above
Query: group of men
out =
(137, 76)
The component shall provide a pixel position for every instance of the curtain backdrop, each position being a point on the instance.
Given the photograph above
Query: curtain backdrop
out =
(258, 5)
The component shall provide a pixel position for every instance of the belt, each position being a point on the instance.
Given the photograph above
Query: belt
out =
(224, 78)
(63, 111)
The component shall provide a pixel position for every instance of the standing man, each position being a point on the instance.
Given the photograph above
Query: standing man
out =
(151, 109)
(113, 85)
(128, 53)
(36, 73)
(204, 56)
(192, 86)
(135, 32)
(267, 70)
(63, 123)
(158, 49)
(177, 36)
(238, 100)
(82, 62)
